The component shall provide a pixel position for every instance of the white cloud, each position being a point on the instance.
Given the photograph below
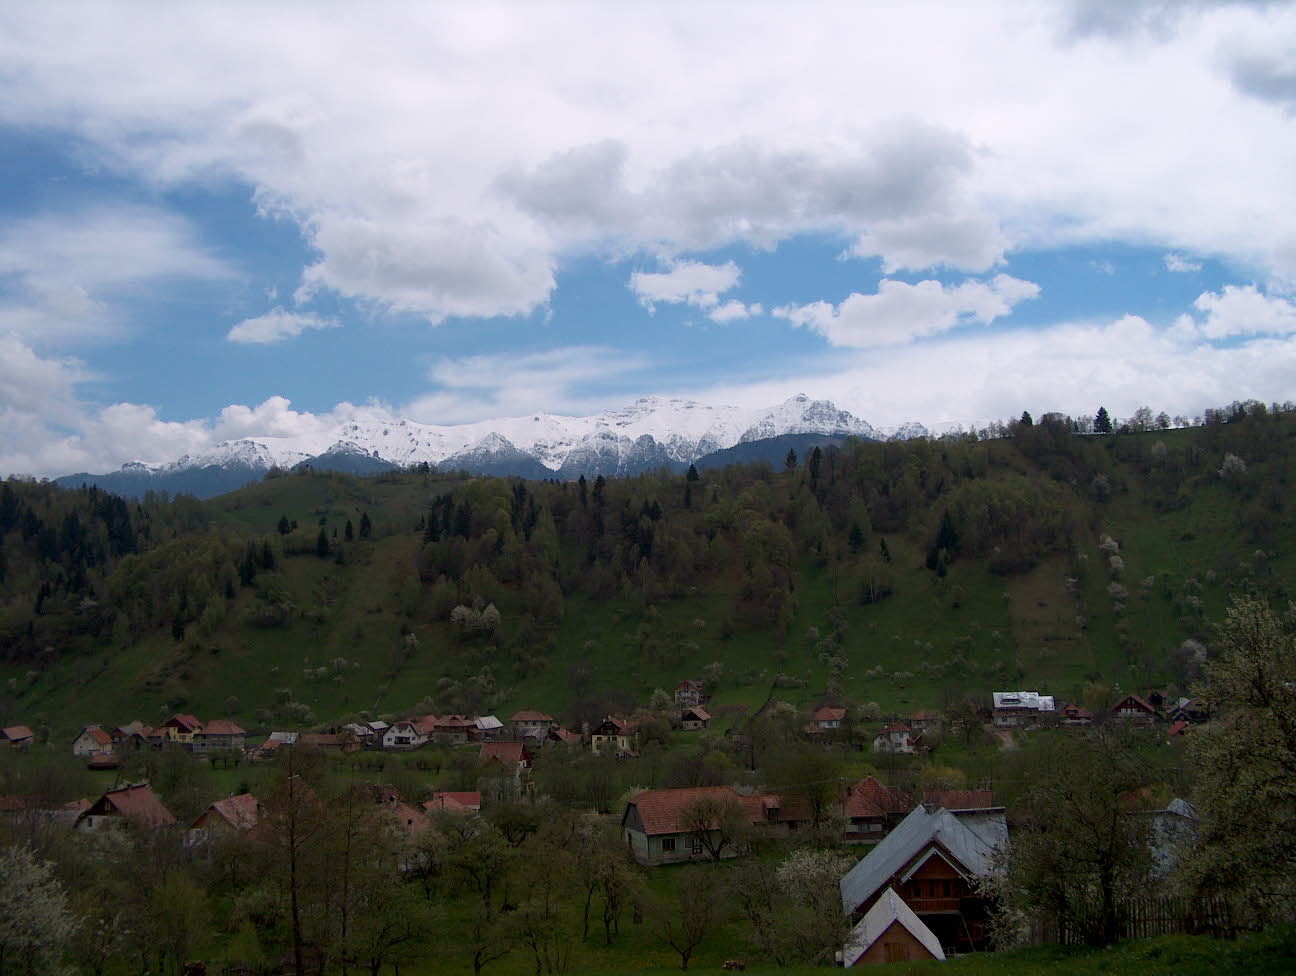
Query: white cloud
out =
(1180, 264)
(733, 311)
(65, 275)
(691, 282)
(276, 325)
(443, 159)
(900, 312)
(1244, 310)
(574, 379)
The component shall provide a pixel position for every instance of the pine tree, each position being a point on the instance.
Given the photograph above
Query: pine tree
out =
(284, 525)
(1026, 419)
(1102, 422)
(790, 462)
(349, 532)
(322, 544)
(366, 527)
(692, 473)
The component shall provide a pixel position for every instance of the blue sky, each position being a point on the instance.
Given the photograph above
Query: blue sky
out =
(238, 220)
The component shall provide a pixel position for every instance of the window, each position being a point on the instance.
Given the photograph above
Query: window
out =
(695, 845)
(668, 844)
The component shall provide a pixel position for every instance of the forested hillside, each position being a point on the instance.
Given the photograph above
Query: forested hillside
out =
(900, 573)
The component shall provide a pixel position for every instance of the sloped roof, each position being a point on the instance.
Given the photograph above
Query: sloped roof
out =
(189, 723)
(959, 799)
(896, 727)
(971, 847)
(698, 712)
(488, 723)
(829, 713)
(564, 735)
(888, 910)
(924, 715)
(16, 733)
(1138, 700)
(288, 737)
(888, 799)
(530, 715)
(412, 821)
(379, 726)
(689, 684)
(138, 804)
(98, 734)
(505, 752)
(1178, 727)
(1079, 711)
(454, 722)
(465, 801)
(661, 811)
(240, 812)
(223, 726)
(620, 726)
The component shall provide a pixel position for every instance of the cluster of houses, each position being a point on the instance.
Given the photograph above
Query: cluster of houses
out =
(1027, 709)
(103, 747)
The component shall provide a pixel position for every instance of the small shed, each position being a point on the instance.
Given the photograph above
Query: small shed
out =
(890, 932)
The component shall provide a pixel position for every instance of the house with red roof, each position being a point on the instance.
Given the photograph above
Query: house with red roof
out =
(925, 721)
(663, 826)
(219, 735)
(133, 806)
(239, 813)
(615, 737)
(689, 692)
(182, 729)
(1073, 714)
(448, 801)
(694, 718)
(564, 736)
(529, 721)
(453, 729)
(505, 770)
(92, 741)
(829, 718)
(1135, 708)
(897, 738)
(16, 737)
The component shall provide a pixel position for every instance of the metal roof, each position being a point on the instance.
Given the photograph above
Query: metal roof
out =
(888, 910)
(971, 838)
(488, 723)
(1023, 699)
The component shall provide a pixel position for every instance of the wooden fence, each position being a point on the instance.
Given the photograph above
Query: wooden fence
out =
(1153, 915)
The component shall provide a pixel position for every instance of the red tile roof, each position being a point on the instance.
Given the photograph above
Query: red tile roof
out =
(1076, 711)
(98, 734)
(896, 727)
(698, 712)
(563, 735)
(138, 804)
(1178, 727)
(530, 715)
(465, 801)
(661, 810)
(1137, 700)
(959, 799)
(240, 812)
(223, 726)
(829, 713)
(188, 723)
(510, 753)
(887, 798)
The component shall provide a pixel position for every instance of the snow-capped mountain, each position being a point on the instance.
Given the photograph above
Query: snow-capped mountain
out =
(650, 433)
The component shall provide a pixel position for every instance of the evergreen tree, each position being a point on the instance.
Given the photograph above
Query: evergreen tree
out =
(349, 532)
(284, 525)
(816, 460)
(366, 527)
(1102, 422)
(692, 473)
(856, 538)
(790, 462)
(1026, 419)
(322, 544)
(267, 555)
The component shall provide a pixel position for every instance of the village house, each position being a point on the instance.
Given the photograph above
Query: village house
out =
(1020, 708)
(563, 736)
(890, 932)
(378, 728)
(16, 737)
(614, 737)
(329, 741)
(488, 727)
(219, 735)
(694, 718)
(933, 861)
(897, 738)
(92, 741)
(464, 801)
(689, 692)
(1135, 708)
(1073, 714)
(529, 720)
(656, 824)
(872, 808)
(408, 733)
(454, 730)
(829, 718)
(134, 806)
(505, 770)
(1186, 710)
(181, 729)
(136, 737)
(361, 732)
(924, 721)
(1158, 699)
(238, 814)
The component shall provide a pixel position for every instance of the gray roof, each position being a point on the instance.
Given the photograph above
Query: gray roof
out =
(1023, 699)
(488, 723)
(970, 837)
(888, 909)
(379, 726)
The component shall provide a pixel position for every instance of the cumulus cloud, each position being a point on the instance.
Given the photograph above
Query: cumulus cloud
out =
(1244, 310)
(451, 170)
(900, 312)
(733, 311)
(1180, 264)
(276, 325)
(690, 282)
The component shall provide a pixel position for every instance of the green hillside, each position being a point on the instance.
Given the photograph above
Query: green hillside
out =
(904, 574)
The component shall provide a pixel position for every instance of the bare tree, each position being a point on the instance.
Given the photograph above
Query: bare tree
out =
(695, 910)
(718, 823)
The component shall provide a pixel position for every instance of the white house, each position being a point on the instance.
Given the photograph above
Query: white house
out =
(1021, 707)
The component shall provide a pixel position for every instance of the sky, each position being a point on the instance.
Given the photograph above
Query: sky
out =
(248, 219)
